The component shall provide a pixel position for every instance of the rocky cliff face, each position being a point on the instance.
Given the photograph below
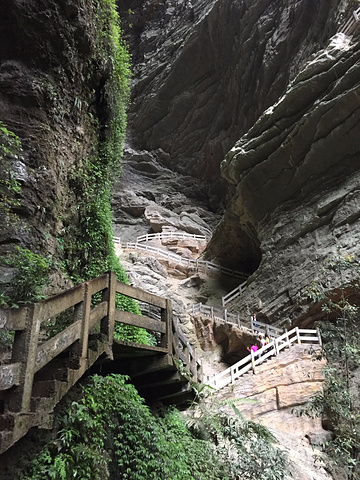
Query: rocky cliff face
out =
(296, 177)
(271, 74)
(275, 396)
(206, 70)
(54, 67)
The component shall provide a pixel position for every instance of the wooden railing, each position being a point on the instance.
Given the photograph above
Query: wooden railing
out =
(223, 315)
(84, 323)
(183, 351)
(248, 363)
(350, 26)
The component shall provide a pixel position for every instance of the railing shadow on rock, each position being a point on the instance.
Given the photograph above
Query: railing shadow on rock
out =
(296, 335)
(64, 358)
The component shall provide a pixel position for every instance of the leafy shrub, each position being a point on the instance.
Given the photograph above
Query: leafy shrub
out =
(245, 448)
(338, 404)
(110, 433)
(30, 276)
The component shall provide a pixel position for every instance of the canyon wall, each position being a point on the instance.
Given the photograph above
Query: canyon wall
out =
(271, 79)
(56, 64)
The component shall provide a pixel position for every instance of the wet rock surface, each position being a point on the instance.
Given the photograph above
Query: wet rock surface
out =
(206, 70)
(150, 198)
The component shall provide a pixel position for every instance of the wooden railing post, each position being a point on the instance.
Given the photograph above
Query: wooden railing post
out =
(193, 368)
(109, 295)
(252, 361)
(298, 335)
(166, 316)
(82, 312)
(287, 338)
(25, 351)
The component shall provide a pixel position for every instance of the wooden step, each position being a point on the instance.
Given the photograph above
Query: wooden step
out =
(6, 440)
(160, 391)
(7, 421)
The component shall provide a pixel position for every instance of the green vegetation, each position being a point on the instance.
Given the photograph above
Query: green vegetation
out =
(88, 245)
(30, 276)
(9, 142)
(110, 433)
(244, 448)
(10, 188)
(86, 242)
(339, 404)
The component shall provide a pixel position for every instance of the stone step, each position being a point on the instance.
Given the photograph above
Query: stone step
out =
(41, 404)
(48, 388)
(6, 440)
(181, 398)
(7, 421)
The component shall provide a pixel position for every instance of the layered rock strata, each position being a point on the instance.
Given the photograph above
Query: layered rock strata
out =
(296, 184)
(206, 70)
(278, 390)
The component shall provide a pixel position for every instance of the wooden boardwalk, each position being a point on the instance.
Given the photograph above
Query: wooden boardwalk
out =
(40, 372)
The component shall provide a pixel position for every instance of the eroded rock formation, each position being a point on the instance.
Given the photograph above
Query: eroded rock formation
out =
(296, 177)
(275, 394)
(53, 75)
(209, 73)
(206, 70)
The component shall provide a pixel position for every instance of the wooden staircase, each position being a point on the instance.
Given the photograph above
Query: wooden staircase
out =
(40, 373)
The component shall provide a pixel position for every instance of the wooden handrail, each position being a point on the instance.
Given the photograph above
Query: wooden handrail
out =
(233, 294)
(230, 374)
(223, 315)
(30, 356)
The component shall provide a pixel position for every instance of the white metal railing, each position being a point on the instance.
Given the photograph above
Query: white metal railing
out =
(224, 315)
(248, 363)
(220, 314)
(229, 297)
(196, 264)
(166, 235)
(350, 25)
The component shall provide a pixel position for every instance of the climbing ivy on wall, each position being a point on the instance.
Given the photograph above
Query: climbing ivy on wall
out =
(88, 246)
(27, 271)
(10, 188)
